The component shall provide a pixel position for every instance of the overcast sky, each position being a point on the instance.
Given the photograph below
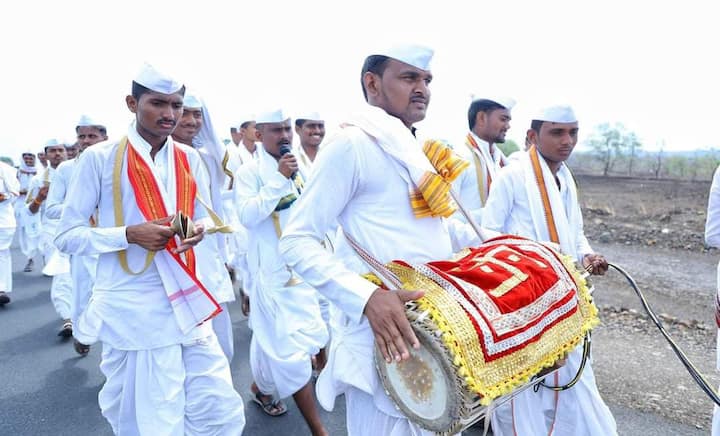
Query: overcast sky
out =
(651, 66)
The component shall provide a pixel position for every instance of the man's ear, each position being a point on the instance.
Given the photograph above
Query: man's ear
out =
(371, 81)
(480, 118)
(258, 134)
(532, 136)
(131, 103)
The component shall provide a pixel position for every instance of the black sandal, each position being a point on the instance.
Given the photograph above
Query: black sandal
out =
(270, 406)
(81, 348)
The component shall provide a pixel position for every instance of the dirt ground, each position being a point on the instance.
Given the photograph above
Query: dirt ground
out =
(654, 230)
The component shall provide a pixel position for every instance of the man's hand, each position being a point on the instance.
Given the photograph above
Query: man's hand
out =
(595, 264)
(3, 197)
(152, 235)
(189, 243)
(385, 310)
(42, 193)
(287, 165)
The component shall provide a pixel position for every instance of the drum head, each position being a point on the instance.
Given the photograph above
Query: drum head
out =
(424, 388)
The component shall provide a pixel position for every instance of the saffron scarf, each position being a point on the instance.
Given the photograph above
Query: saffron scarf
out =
(191, 302)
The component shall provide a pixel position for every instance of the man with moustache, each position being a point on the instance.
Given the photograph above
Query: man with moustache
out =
(364, 180)
(195, 128)
(82, 268)
(165, 371)
(57, 264)
(310, 128)
(537, 198)
(72, 150)
(489, 121)
(25, 173)
(285, 317)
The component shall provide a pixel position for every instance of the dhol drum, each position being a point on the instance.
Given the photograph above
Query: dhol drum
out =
(489, 322)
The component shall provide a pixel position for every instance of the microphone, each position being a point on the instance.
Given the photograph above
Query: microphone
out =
(285, 149)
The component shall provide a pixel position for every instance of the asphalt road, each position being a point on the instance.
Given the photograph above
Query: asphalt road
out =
(48, 390)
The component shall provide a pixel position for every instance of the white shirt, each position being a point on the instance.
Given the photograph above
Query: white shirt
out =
(355, 184)
(712, 223)
(10, 187)
(58, 188)
(49, 224)
(304, 161)
(466, 185)
(132, 311)
(507, 209)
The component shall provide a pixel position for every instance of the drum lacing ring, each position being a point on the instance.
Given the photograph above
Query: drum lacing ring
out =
(694, 373)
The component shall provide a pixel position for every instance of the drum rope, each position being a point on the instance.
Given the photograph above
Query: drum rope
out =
(694, 372)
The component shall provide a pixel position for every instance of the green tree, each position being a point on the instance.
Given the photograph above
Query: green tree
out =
(509, 146)
(633, 144)
(611, 142)
(7, 160)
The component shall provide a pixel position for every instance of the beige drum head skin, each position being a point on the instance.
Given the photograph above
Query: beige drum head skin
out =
(424, 387)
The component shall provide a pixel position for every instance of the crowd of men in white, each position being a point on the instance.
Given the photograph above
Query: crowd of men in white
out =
(272, 220)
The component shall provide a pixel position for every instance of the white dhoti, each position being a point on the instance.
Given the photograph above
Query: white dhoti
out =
(82, 270)
(61, 294)
(287, 331)
(6, 237)
(31, 235)
(176, 390)
(577, 411)
(61, 290)
(222, 326)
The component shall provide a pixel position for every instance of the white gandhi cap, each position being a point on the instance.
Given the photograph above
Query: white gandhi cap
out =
(418, 56)
(276, 115)
(192, 101)
(559, 113)
(87, 121)
(154, 80)
(309, 116)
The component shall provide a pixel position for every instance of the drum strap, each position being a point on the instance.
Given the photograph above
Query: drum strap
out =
(388, 276)
(585, 356)
(694, 372)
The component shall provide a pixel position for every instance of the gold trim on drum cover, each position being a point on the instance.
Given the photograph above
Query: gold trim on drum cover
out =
(503, 375)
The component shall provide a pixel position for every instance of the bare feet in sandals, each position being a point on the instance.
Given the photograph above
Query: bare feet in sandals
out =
(245, 306)
(81, 348)
(268, 404)
(66, 330)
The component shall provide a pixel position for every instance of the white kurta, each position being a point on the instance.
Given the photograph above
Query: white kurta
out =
(466, 185)
(57, 264)
(125, 311)
(237, 242)
(82, 268)
(712, 238)
(158, 380)
(286, 322)
(24, 179)
(10, 188)
(579, 410)
(356, 185)
(212, 257)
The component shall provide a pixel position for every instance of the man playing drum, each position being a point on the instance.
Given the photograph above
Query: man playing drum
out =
(537, 198)
(371, 178)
